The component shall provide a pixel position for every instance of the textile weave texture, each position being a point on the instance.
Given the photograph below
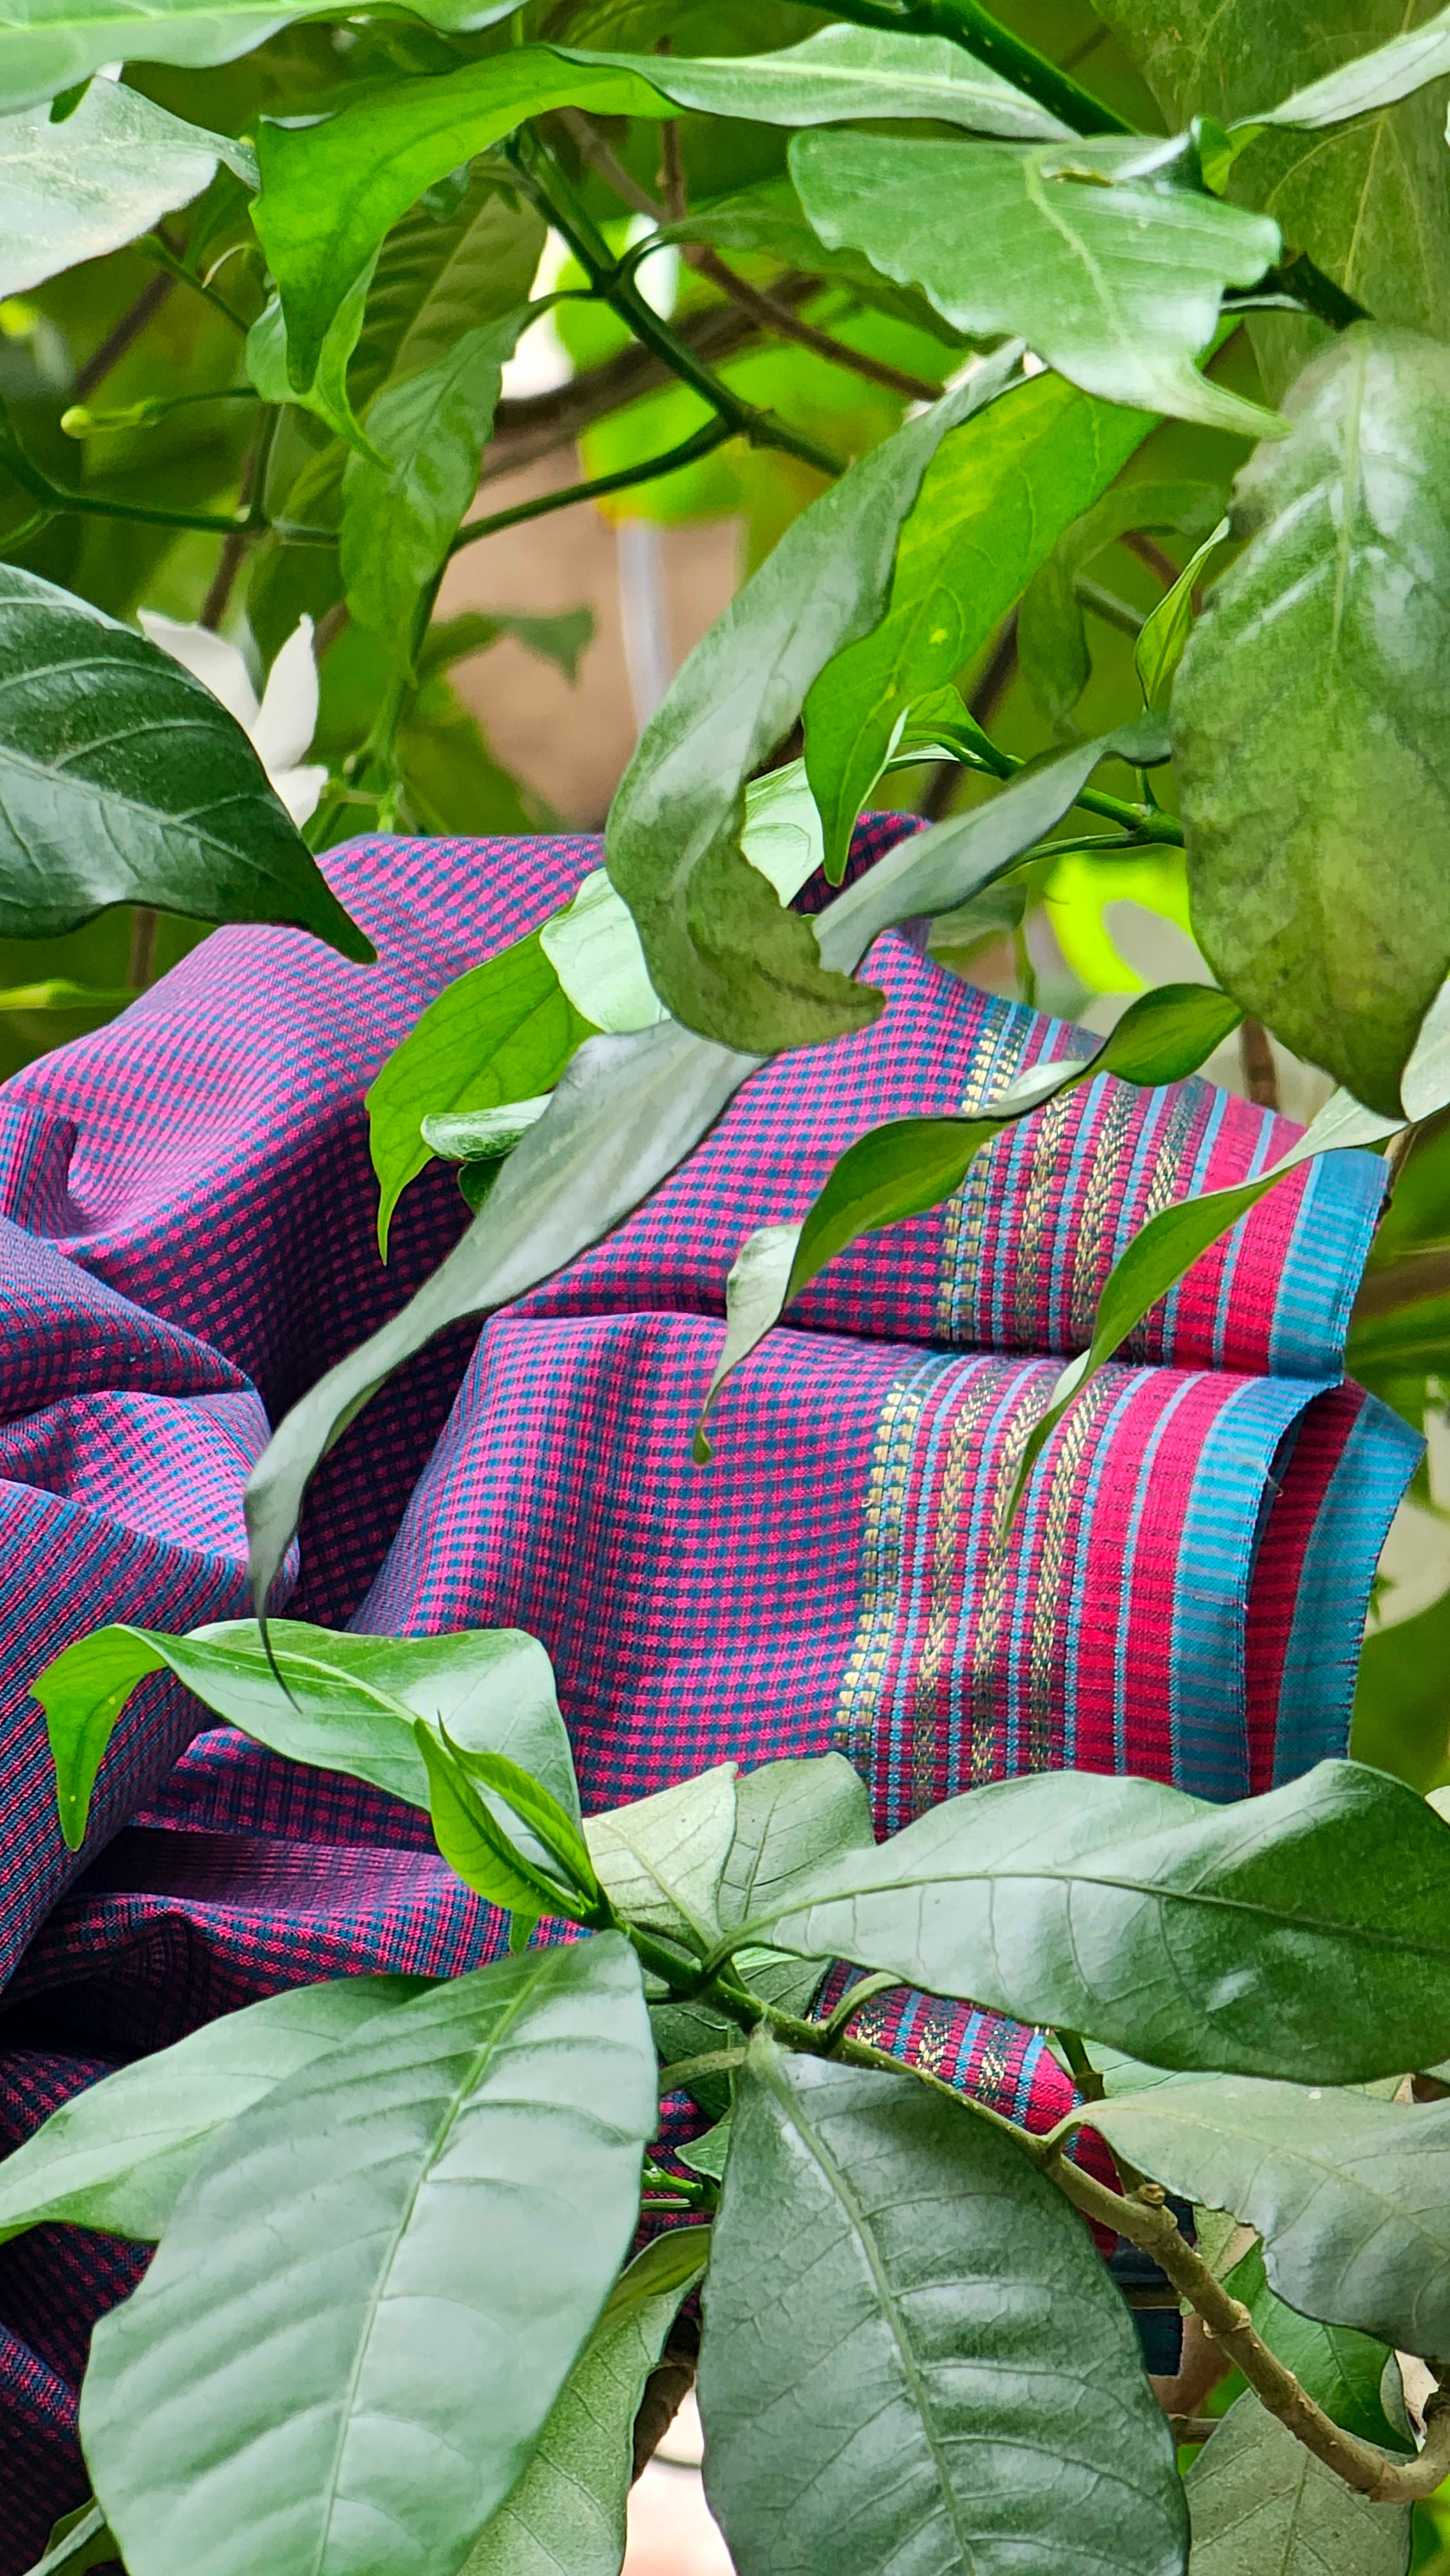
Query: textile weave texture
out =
(187, 1240)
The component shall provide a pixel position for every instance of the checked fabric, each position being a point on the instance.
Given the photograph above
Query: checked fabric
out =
(187, 1241)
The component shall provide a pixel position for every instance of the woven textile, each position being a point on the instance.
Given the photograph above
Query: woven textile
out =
(186, 1241)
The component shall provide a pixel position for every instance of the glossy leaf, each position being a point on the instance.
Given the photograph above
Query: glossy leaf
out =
(123, 780)
(74, 191)
(1261, 2505)
(484, 1135)
(345, 1702)
(330, 193)
(1338, 609)
(1298, 1934)
(789, 1818)
(912, 2351)
(566, 2516)
(116, 2156)
(503, 1031)
(395, 2411)
(438, 276)
(912, 1164)
(661, 1858)
(53, 44)
(1342, 2371)
(1159, 648)
(478, 1845)
(1348, 2193)
(992, 503)
(555, 1828)
(723, 953)
(769, 219)
(1115, 269)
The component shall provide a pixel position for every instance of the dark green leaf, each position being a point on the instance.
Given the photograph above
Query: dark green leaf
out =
(790, 1817)
(1115, 272)
(383, 2418)
(70, 192)
(685, 2030)
(1261, 2505)
(500, 1033)
(560, 640)
(662, 1858)
(1402, 1696)
(79, 2541)
(912, 1164)
(1051, 637)
(1342, 2371)
(1308, 707)
(723, 953)
(477, 1845)
(125, 781)
(992, 501)
(117, 2155)
(912, 2354)
(1302, 1934)
(566, 2516)
(437, 278)
(345, 1702)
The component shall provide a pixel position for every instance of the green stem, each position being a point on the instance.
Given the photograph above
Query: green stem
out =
(966, 23)
(1084, 2074)
(690, 450)
(1107, 605)
(1145, 822)
(165, 257)
(24, 471)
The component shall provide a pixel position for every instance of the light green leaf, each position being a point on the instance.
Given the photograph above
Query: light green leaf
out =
(1052, 646)
(123, 780)
(912, 1164)
(723, 954)
(502, 1032)
(912, 2353)
(345, 1702)
(1308, 708)
(790, 1817)
(1159, 648)
(560, 639)
(1351, 2195)
(431, 428)
(553, 1827)
(1299, 1934)
(1342, 2371)
(1368, 81)
(1115, 273)
(993, 500)
(662, 1858)
(383, 2418)
(73, 191)
(116, 2156)
(1261, 2505)
(327, 392)
(79, 2541)
(708, 2153)
(478, 1846)
(769, 219)
(594, 949)
(438, 276)
(484, 1135)
(566, 2516)
(50, 45)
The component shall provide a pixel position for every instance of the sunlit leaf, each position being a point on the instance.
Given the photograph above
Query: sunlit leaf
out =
(74, 191)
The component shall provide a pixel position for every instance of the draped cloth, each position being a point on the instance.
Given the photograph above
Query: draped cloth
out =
(187, 1239)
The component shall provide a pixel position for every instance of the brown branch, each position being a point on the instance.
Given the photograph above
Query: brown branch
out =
(672, 172)
(121, 335)
(1256, 1055)
(1156, 557)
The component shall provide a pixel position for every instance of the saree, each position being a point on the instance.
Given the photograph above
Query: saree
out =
(188, 1239)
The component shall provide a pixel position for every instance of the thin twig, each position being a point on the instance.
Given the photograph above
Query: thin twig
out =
(714, 434)
(672, 172)
(1156, 557)
(158, 246)
(1256, 1055)
(121, 336)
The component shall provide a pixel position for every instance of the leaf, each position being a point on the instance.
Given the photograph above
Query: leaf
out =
(790, 1817)
(911, 1164)
(1402, 1696)
(560, 639)
(1342, 2371)
(385, 2418)
(396, 524)
(1299, 1934)
(1261, 2505)
(484, 1135)
(661, 1858)
(74, 191)
(1308, 708)
(594, 949)
(437, 277)
(345, 1702)
(993, 501)
(1115, 270)
(1052, 646)
(53, 44)
(330, 192)
(911, 2352)
(478, 1846)
(451, 781)
(769, 219)
(1369, 81)
(123, 780)
(1159, 648)
(566, 2516)
(79, 2541)
(116, 2156)
(554, 1827)
(723, 954)
(502, 1032)
(1348, 2193)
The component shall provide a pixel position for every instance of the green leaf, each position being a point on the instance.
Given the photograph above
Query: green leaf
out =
(1261, 2505)
(431, 428)
(1052, 646)
(79, 2541)
(344, 1702)
(1402, 1696)
(71, 192)
(484, 1135)
(502, 1032)
(451, 781)
(594, 949)
(790, 1817)
(708, 2153)
(477, 1846)
(53, 44)
(330, 192)
(1159, 648)
(566, 2516)
(723, 954)
(325, 2368)
(1348, 2193)
(123, 780)
(992, 502)
(911, 1164)
(1308, 710)
(1116, 270)
(662, 1858)
(1299, 1934)
(437, 277)
(912, 2353)
(1342, 2371)
(1368, 81)
(117, 2155)
(554, 1828)
(559, 639)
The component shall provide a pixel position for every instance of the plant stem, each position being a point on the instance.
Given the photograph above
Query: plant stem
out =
(157, 247)
(31, 479)
(1107, 605)
(1084, 2074)
(713, 435)
(121, 335)
(966, 23)
(1257, 1058)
